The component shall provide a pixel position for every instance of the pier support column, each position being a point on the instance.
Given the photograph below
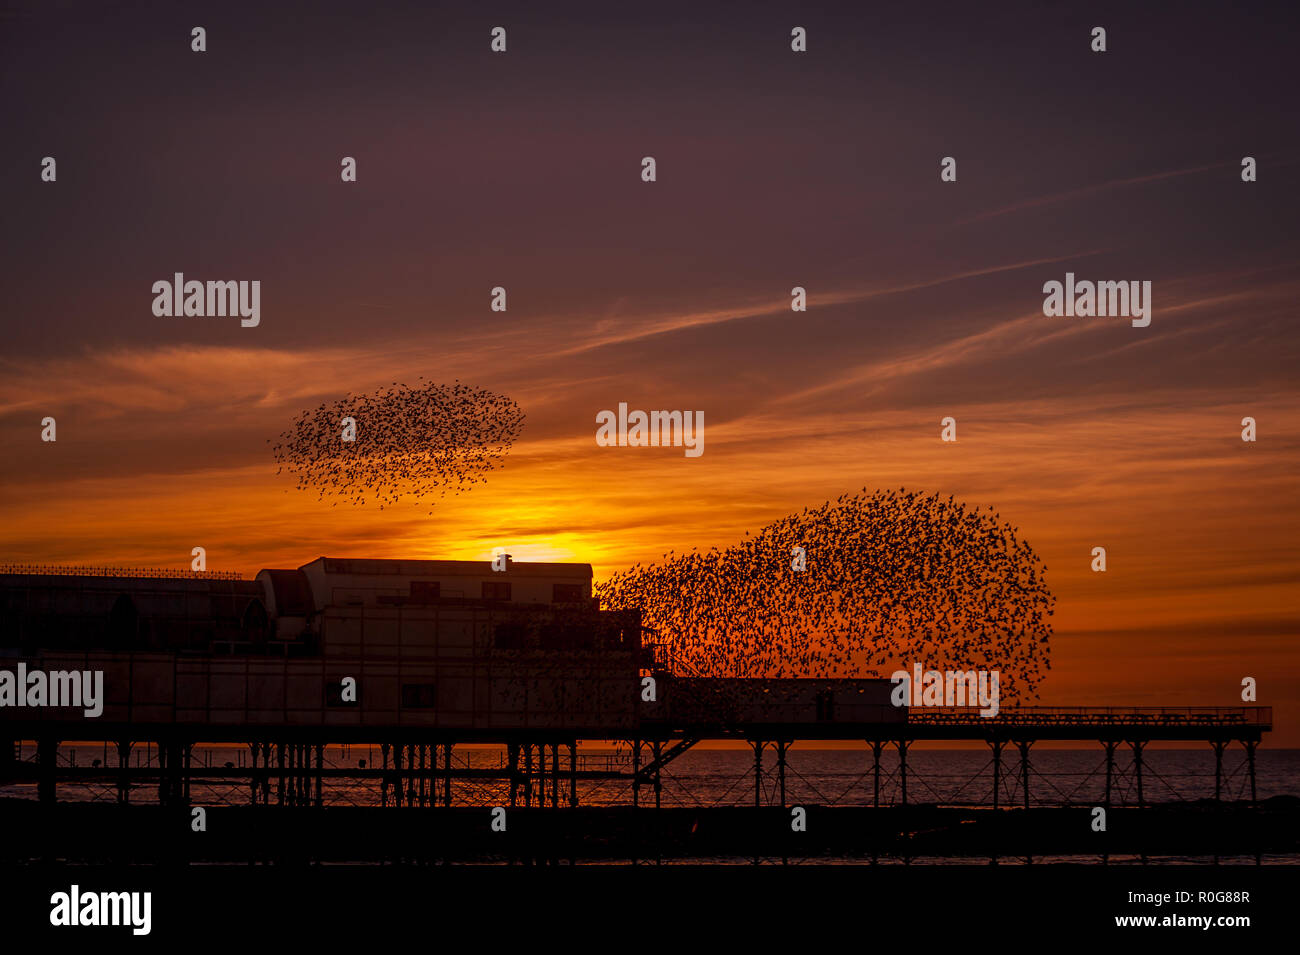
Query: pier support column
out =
(252, 773)
(47, 758)
(435, 775)
(996, 745)
(573, 774)
(1110, 779)
(636, 772)
(758, 781)
(512, 753)
(636, 802)
(903, 745)
(161, 750)
(279, 766)
(902, 768)
(1218, 745)
(398, 786)
(1250, 762)
(1137, 769)
(124, 771)
(876, 747)
(383, 776)
(555, 776)
(1110, 768)
(413, 777)
(399, 778)
(168, 766)
(534, 777)
(266, 774)
(658, 751)
(173, 772)
(1023, 746)
(446, 775)
(528, 774)
(781, 747)
(320, 781)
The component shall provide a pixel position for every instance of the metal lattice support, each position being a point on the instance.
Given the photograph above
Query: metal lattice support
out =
(307, 776)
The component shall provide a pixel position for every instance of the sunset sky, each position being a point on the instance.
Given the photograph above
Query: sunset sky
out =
(775, 169)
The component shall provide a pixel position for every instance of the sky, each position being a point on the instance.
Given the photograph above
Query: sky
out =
(775, 169)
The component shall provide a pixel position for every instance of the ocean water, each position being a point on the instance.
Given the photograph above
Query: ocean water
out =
(725, 777)
(703, 778)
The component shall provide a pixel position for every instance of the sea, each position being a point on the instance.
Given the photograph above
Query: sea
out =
(703, 778)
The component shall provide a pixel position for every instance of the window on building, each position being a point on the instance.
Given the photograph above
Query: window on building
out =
(496, 590)
(567, 594)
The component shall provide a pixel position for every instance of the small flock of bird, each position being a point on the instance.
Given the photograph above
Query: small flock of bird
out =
(892, 578)
(409, 442)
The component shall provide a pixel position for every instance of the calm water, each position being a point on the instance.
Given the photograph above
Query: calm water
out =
(703, 778)
(706, 778)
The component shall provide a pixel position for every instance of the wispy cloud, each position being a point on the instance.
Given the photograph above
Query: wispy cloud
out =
(632, 330)
(1085, 192)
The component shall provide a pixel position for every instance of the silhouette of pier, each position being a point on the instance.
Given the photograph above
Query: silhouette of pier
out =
(442, 797)
(421, 661)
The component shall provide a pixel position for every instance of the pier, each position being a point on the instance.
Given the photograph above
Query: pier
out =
(425, 799)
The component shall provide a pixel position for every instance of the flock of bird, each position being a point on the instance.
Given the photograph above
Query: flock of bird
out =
(409, 441)
(862, 585)
(892, 578)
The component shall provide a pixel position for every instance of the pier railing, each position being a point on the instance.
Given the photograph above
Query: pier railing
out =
(1261, 716)
(77, 570)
